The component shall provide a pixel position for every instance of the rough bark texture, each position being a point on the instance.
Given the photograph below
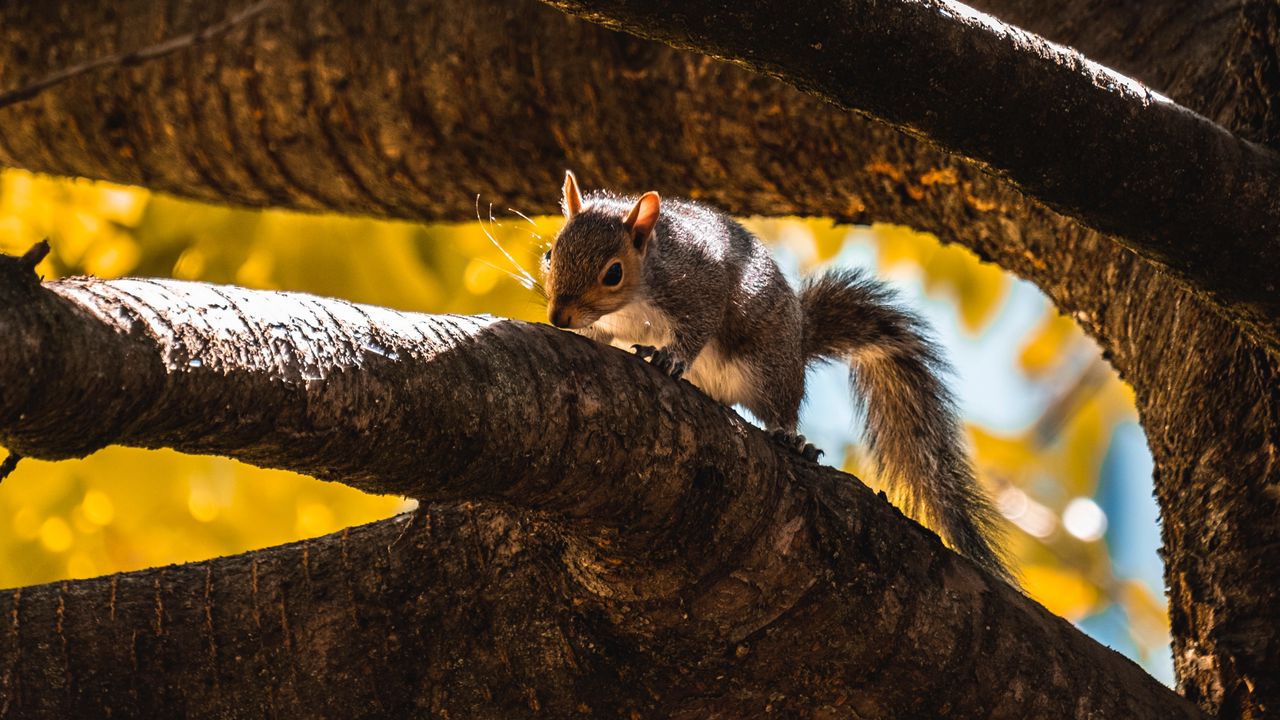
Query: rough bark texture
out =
(409, 109)
(1209, 397)
(724, 577)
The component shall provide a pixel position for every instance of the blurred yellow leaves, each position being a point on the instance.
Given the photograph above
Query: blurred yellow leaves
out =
(123, 509)
(97, 508)
(201, 503)
(1044, 348)
(480, 277)
(1148, 616)
(314, 518)
(828, 238)
(90, 220)
(55, 535)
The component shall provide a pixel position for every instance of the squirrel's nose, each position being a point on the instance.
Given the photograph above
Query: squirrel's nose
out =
(561, 317)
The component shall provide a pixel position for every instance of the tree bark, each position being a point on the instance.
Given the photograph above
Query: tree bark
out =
(401, 100)
(723, 577)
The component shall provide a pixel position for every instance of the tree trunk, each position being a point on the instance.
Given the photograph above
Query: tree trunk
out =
(416, 107)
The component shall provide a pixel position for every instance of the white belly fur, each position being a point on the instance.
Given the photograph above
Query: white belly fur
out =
(728, 381)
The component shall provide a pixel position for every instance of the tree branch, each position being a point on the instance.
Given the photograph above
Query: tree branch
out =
(134, 57)
(719, 567)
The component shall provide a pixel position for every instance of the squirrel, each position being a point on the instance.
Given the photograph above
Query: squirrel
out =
(697, 295)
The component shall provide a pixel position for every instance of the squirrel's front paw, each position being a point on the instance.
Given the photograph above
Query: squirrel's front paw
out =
(661, 358)
(796, 443)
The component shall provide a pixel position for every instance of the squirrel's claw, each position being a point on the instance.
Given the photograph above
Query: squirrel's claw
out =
(797, 444)
(677, 369)
(662, 359)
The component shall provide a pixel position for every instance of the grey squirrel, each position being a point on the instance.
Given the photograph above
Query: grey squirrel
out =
(697, 295)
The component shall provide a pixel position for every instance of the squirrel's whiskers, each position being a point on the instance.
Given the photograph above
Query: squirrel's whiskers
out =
(524, 277)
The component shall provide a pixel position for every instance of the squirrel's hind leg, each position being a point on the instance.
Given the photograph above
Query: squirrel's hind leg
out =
(777, 404)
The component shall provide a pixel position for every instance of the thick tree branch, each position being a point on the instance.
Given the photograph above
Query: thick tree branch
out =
(134, 57)
(730, 570)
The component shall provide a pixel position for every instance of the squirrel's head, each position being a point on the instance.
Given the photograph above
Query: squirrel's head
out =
(594, 267)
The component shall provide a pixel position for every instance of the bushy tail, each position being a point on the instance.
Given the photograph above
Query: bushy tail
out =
(912, 430)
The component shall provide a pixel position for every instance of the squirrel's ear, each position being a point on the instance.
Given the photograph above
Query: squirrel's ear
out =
(572, 201)
(642, 218)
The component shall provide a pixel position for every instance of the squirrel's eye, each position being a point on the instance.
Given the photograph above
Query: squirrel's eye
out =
(613, 275)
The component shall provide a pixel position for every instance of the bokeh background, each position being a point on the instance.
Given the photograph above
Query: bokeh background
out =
(1054, 430)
